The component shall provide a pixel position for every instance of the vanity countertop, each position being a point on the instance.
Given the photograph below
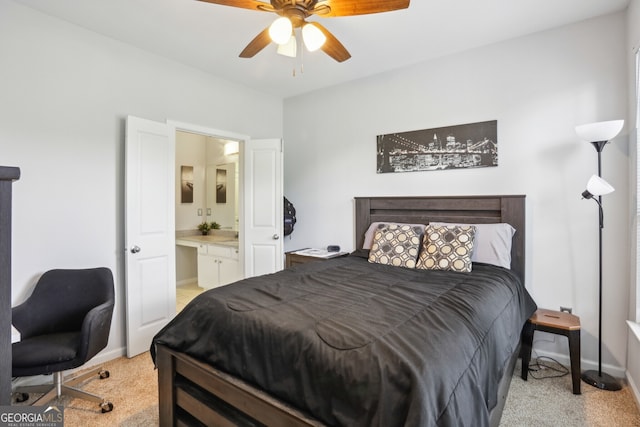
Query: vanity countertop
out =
(195, 241)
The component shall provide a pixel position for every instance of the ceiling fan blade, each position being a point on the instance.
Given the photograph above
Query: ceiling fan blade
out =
(244, 4)
(260, 41)
(361, 7)
(332, 45)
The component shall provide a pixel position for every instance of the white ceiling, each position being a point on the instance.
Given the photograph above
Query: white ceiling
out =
(210, 37)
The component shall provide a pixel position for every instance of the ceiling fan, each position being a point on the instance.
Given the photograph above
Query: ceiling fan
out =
(293, 14)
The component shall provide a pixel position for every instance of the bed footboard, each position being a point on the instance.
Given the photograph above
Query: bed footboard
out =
(192, 393)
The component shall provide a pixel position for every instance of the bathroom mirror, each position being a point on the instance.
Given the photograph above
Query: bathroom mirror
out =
(221, 199)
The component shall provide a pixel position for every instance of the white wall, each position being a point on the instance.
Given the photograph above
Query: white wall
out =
(65, 95)
(191, 150)
(538, 88)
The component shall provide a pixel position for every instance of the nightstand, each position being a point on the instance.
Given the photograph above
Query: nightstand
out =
(292, 258)
(554, 322)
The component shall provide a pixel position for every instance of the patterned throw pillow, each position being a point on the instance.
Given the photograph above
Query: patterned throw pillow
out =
(375, 226)
(395, 245)
(447, 248)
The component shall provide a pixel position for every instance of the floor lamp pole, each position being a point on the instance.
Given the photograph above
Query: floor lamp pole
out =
(600, 227)
(598, 378)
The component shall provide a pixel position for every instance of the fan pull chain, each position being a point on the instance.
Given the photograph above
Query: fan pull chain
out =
(302, 59)
(293, 71)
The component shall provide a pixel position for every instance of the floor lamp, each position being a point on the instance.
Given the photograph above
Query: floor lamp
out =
(599, 134)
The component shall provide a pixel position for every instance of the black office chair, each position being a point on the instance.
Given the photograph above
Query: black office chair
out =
(63, 324)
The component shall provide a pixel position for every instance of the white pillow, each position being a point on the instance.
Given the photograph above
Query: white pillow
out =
(492, 243)
(371, 231)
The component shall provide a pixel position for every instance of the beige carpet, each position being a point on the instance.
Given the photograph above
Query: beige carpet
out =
(132, 388)
(550, 402)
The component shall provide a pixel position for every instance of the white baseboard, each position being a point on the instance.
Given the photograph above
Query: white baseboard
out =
(585, 365)
(634, 389)
(186, 282)
(105, 356)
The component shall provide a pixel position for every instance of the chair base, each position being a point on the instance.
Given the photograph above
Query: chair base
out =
(62, 386)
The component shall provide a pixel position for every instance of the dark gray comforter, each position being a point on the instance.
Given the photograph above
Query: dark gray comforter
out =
(360, 344)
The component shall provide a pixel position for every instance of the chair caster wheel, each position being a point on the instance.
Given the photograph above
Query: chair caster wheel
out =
(104, 374)
(22, 397)
(106, 407)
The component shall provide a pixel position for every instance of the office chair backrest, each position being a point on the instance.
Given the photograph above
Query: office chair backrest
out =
(62, 298)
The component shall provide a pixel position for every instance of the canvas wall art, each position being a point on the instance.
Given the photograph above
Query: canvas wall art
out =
(221, 186)
(472, 145)
(186, 184)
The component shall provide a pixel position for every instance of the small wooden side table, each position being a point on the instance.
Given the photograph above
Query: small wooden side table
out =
(292, 258)
(555, 322)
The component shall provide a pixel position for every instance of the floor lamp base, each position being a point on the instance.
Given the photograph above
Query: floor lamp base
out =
(601, 380)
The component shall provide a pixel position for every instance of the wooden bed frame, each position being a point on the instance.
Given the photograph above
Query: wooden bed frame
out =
(192, 393)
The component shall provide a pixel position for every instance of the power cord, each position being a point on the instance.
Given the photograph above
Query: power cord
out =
(554, 371)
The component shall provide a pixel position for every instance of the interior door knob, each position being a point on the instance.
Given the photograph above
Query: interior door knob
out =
(135, 249)
(276, 237)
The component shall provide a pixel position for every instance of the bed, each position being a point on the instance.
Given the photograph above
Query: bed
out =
(352, 342)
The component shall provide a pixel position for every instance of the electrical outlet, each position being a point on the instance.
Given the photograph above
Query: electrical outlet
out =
(199, 212)
(566, 309)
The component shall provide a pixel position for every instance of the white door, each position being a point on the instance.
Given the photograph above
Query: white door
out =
(149, 231)
(261, 161)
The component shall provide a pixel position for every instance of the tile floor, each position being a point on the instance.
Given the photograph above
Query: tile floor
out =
(185, 293)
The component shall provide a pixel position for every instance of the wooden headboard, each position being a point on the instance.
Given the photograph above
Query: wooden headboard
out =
(460, 209)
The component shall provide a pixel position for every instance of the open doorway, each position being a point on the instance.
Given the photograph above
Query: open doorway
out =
(207, 192)
(149, 215)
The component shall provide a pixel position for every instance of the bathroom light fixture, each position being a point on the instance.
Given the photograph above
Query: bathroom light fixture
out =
(231, 147)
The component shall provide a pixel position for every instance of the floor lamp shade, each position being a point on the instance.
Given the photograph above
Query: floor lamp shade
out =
(599, 131)
(597, 186)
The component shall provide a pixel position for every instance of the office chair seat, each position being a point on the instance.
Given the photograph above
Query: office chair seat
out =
(63, 324)
(45, 353)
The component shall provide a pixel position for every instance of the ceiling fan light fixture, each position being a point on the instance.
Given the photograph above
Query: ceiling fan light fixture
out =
(280, 30)
(313, 38)
(289, 48)
(293, 14)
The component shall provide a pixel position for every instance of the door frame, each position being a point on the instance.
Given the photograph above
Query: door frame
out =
(232, 136)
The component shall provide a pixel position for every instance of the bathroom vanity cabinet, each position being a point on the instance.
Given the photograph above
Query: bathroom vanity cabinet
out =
(218, 261)
(217, 265)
